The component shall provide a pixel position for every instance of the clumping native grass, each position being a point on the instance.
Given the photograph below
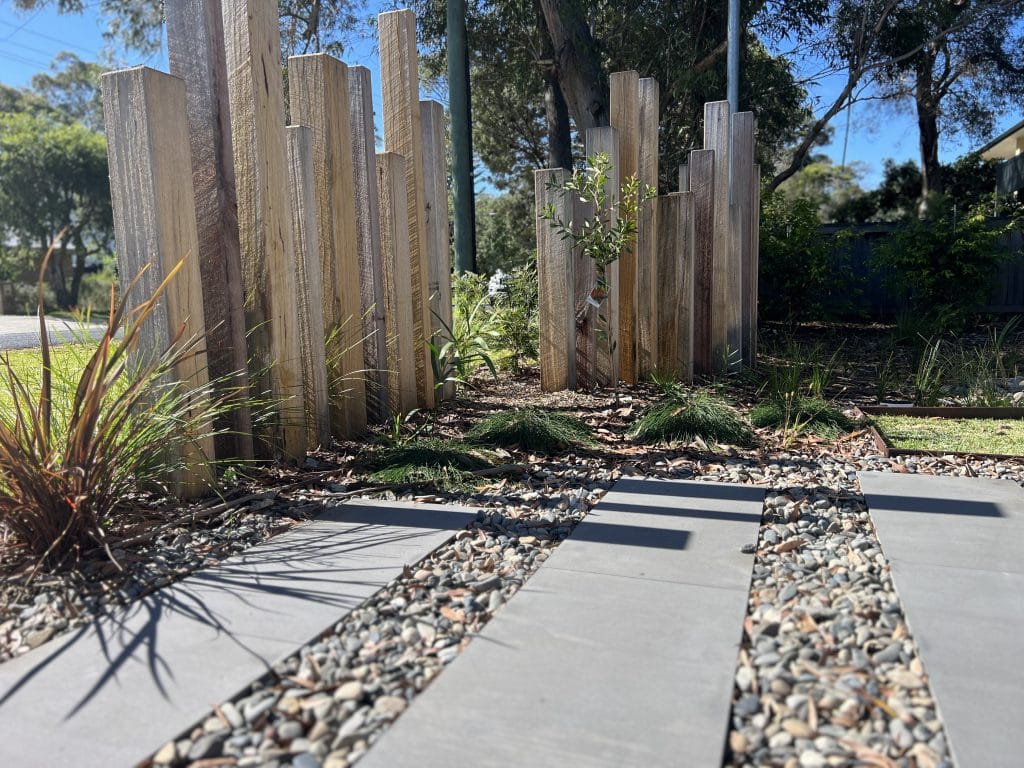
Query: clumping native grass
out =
(804, 415)
(532, 429)
(1003, 436)
(688, 415)
(448, 464)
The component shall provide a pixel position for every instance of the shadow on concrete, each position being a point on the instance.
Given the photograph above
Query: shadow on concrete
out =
(934, 506)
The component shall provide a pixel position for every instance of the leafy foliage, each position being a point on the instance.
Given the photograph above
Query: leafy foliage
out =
(517, 307)
(504, 231)
(684, 414)
(532, 429)
(459, 351)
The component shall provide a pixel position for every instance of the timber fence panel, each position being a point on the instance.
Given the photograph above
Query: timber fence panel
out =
(555, 275)
(685, 286)
(584, 281)
(605, 141)
(624, 113)
(667, 262)
(726, 316)
(403, 135)
(195, 48)
(256, 90)
(702, 185)
(371, 279)
(398, 315)
(155, 225)
(741, 207)
(316, 401)
(319, 95)
(646, 323)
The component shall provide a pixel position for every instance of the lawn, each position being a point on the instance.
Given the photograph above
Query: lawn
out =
(67, 362)
(1001, 436)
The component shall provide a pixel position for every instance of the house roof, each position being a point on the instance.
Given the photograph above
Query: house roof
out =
(1004, 146)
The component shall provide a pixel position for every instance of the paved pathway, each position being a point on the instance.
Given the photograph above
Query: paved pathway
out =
(620, 651)
(956, 547)
(116, 691)
(22, 331)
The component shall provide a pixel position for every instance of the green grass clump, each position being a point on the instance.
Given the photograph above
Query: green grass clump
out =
(449, 465)
(686, 415)
(1001, 436)
(801, 415)
(532, 429)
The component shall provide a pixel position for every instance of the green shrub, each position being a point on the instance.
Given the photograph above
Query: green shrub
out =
(532, 429)
(459, 351)
(449, 464)
(687, 415)
(801, 415)
(517, 306)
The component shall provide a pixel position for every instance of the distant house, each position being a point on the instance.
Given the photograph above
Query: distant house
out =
(1008, 148)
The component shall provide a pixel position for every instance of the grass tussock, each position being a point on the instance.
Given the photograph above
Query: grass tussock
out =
(449, 465)
(687, 415)
(532, 429)
(801, 414)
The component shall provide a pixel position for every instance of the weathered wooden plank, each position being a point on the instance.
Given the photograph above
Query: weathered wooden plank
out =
(584, 279)
(684, 177)
(685, 286)
(155, 225)
(555, 276)
(398, 315)
(302, 187)
(319, 95)
(702, 185)
(624, 117)
(195, 49)
(646, 324)
(669, 218)
(435, 213)
(371, 285)
(755, 250)
(726, 317)
(403, 135)
(256, 90)
(606, 141)
(741, 207)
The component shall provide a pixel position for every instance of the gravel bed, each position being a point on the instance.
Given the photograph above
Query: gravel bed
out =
(326, 704)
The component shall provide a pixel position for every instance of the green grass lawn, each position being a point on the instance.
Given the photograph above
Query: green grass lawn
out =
(1004, 436)
(67, 362)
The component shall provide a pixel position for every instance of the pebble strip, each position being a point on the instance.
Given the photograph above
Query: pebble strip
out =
(326, 704)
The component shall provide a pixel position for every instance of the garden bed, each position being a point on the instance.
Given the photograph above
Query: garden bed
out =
(918, 431)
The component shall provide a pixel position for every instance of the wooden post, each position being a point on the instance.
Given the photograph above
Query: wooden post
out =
(741, 202)
(702, 185)
(726, 317)
(371, 284)
(195, 48)
(155, 224)
(675, 285)
(755, 256)
(435, 212)
(684, 177)
(403, 135)
(253, 57)
(624, 112)
(605, 140)
(646, 323)
(315, 393)
(684, 316)
(555, 277)
(584, 279)
(318, 88)
(394, 242)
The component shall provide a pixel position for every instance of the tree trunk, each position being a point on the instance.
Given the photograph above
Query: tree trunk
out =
(79, 270)
(927, 105)
(55, 274)
(576, 64)
(556, 113)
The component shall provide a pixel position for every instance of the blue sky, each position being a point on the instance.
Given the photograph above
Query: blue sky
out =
(29, 40)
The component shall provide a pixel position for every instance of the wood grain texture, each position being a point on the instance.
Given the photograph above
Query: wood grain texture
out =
(195, 48)
(555, 276)
(398, 315)
(685, 287)
(256, 91)
(646, 323)
(702, 185)
(667, 261)
(399, 69)
(371, 277)
(741, 201)
(684, 177)
(155, 226)
(584, 280)
(726, 317)
(435, 213)
(319, 98)
(624, 117)
(302, 187)
(606, 141)
(755, 251)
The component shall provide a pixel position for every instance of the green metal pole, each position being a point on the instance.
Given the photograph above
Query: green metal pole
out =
(461, 138)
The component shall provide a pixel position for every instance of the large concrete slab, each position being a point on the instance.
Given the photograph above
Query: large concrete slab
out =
(620, 651)
(112, 693)
(22, 331)
(955, 546)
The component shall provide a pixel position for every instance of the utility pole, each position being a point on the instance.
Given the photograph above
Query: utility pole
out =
(462, 138)
(733, 60)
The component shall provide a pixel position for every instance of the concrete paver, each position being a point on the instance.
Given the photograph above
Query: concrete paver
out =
(619, 651)
(955, 548)
(22, 331)
(112, 693)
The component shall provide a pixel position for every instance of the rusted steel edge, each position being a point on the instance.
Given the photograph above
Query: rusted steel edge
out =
(861, 413)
